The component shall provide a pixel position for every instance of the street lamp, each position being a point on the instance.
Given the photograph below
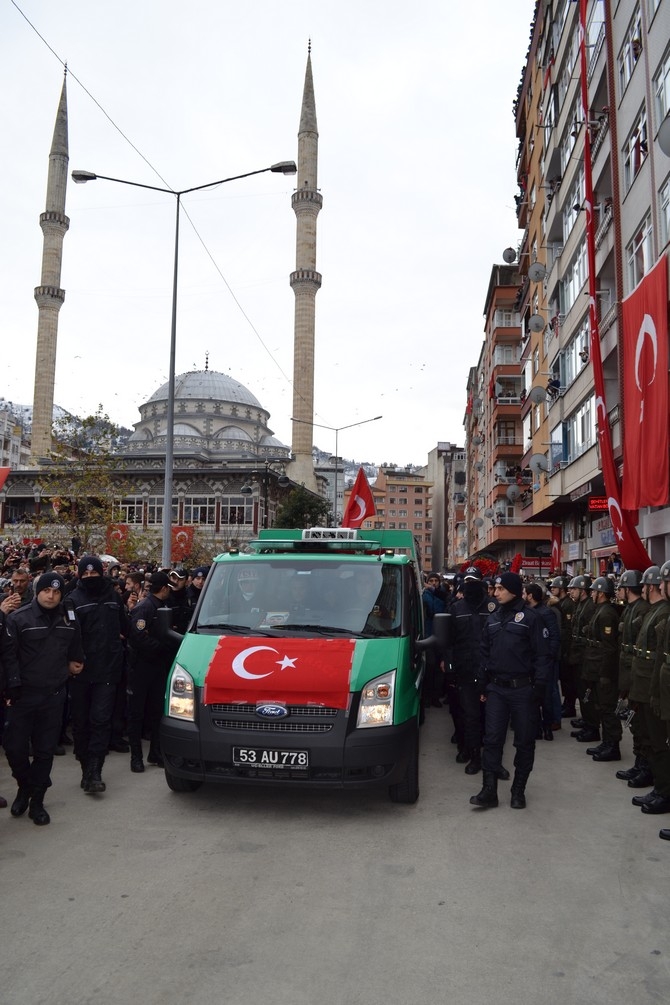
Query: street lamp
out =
(283, 482)
(337, 430)
(81, 177)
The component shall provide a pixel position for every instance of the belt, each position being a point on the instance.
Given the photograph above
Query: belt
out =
(511, 681)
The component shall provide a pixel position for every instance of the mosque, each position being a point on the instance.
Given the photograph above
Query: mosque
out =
(230, 471)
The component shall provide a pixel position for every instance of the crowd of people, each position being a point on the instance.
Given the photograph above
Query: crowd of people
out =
(83, 663)
(593, 651)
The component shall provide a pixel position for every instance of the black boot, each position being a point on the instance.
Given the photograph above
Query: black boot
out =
(502, 774)
(608, 752)
(596, 750)
(488, 796)
(94, 782)
(587, 735)
(642, 779)
(475, 764)
(627, 773)
(518, 799)
(37, 813)
(20, 804)
(155, 757)
(136, 762)
(462, 757)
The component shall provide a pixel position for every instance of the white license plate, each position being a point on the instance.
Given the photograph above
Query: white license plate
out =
(260, 757)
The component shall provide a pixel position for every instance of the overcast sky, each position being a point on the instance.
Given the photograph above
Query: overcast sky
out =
(416, 167)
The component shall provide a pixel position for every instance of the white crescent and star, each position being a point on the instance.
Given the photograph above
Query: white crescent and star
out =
(240, 669)
(647, 328)
(361, 508)
(613, 507)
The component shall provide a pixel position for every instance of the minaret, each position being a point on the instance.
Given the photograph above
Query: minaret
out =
(48, 294)
(305, 282)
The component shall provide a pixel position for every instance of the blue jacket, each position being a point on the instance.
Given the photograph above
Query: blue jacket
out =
(434, 602)
(465, 626)
(515, 644)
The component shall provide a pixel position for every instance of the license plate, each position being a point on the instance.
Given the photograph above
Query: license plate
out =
(260, 757)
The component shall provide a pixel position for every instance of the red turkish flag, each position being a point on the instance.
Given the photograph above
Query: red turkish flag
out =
(646, 468)
(292, 670)
(182, 543)
(4, 473)
(361, 505)
(555, 548)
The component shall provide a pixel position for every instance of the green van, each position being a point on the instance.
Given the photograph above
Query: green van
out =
(302, 666)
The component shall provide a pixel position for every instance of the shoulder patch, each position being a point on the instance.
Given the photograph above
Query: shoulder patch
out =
(140, 624)
(545, 633)
(519, 617)
(492, 606)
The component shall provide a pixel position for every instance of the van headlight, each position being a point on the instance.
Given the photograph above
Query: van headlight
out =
(376, 707)
(181, 695)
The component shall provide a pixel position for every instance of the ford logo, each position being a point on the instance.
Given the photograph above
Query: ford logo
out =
(272, 710)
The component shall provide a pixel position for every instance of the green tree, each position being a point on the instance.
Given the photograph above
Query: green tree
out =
(302, 508)
(81, 484)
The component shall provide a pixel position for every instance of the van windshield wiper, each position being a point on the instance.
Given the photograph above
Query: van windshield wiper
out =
(233, 629)
(321, 629)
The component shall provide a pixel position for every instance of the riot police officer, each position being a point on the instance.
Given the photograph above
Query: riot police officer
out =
(653, 735)
(629, 591)
(601, 668)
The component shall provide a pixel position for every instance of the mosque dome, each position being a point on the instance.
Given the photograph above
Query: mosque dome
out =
(215, 418)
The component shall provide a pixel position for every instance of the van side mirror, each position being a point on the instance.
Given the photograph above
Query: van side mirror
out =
(165, 629)
(438, 640)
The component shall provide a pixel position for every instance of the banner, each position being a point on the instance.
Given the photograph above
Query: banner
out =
(4, 473)
(117, 536)
(646, 470)
(361, 505)
(555, 549)
(182, 543)
(628, 541)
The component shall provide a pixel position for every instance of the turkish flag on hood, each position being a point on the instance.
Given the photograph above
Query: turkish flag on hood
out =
(361, 504)
(645, 392)
(294, 670)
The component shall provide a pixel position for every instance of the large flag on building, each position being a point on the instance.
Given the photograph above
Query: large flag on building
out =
(4, 474)
(361, 505)
(556, 535)
(646, 467)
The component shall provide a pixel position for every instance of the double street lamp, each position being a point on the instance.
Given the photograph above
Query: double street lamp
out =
(264, 477)
(337, 430)
(81, 177)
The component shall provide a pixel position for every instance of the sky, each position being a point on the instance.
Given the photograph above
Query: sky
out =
(417, 154)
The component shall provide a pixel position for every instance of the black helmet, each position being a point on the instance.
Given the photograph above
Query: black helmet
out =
(651, 576)
(580, 583)
(560, 583)
(631, 579)
(603, 584)
(665, 571)
(472, 572)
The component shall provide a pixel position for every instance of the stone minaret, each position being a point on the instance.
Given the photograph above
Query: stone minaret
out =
(305, 282)
(48, 294)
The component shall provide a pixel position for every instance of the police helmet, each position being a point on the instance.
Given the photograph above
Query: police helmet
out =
(631, 579)
(651, 576)
(472, 572)
(560, 583)
(580, 583)
(603, 585)
(665, 571)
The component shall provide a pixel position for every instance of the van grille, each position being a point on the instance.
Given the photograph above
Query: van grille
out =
(313, 711)
(256, 726)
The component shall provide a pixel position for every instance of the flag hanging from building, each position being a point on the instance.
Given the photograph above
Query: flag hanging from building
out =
(4, 474)
(556, 535)
(646, 468)
(361, 505)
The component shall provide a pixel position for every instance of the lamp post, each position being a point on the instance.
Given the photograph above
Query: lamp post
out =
(81, 177)
(337, 430)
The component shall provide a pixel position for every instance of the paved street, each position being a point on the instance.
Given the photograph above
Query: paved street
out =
(253, 895)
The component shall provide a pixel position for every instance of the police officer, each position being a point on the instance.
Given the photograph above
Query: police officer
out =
(653, 736)
(516, 662)
(434, 602)
(586, 727)
(40, 648)
(661, 687)
(566, 607)
(150, 661)
(601, 669)
(465, 624)
(629, 592)
(534, 597)
(104, 625)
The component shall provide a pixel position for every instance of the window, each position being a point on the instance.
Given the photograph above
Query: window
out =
(639, 253)
(237, 510)
(573, 280)
(662, 88)
(571, 362)
(418, 513)
(575, 198)
(581, 430)
(506, 354)
(418, 526)
(199, 509)
(506, 431)
(635, 150)
(506, 318)
(664, 212)
(131, 510)
(418, 489)
(630, 50)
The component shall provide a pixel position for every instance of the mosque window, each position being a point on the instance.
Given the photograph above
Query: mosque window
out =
(237, 510)
(199, 509)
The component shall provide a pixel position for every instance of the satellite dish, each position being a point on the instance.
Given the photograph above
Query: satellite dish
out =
(538, 395)
(536, 323)
(479, 466)
(537, 463)
(509, 256)
(513, 493)
(477, 404)
(663, 139)
(478, 522)
(477, 440)
(537, 272)
(488, 512)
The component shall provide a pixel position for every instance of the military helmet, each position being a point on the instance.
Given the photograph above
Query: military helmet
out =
(651, 576)
(603, 584)
(580, 583)
(560, 583)
(631, 579)
(665, 571)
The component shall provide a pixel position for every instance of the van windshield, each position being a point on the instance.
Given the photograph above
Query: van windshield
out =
(350, 597)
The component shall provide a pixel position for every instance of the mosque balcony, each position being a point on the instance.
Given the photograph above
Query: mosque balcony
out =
(52, 216)
(306, 195)
(47, 294)
(308, 277)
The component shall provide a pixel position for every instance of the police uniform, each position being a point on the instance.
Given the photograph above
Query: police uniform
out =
(36, 647)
